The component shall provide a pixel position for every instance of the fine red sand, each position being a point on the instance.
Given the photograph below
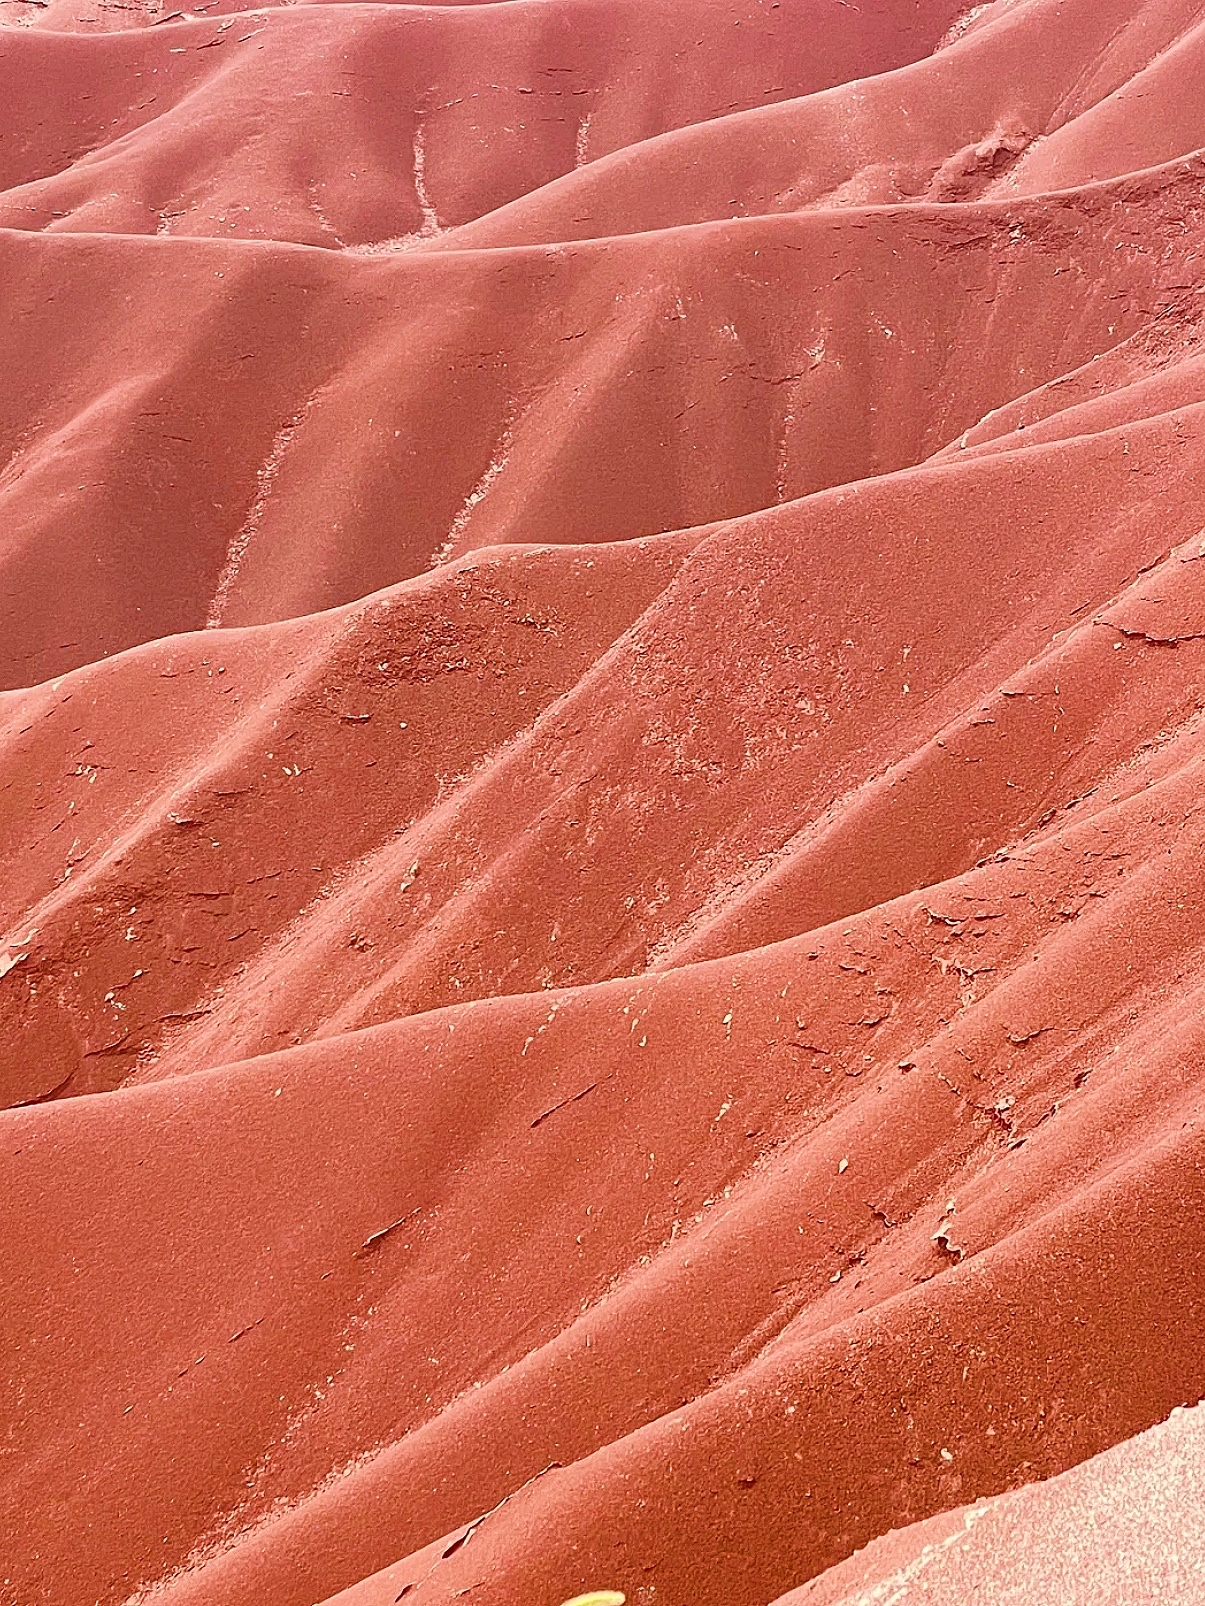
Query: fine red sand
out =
(602, 845)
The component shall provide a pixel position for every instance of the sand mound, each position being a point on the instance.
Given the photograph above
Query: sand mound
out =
(602, 623)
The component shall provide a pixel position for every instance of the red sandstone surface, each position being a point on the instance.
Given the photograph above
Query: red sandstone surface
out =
(602, 826)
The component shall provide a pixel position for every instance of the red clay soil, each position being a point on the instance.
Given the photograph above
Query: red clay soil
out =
(602, 845)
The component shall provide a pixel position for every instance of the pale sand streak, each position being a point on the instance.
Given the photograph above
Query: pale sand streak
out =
(265, 478)
(496, 464)
(583, 135)
(431, 224)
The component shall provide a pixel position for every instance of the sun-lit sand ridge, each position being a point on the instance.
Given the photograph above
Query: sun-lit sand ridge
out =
(601, 829)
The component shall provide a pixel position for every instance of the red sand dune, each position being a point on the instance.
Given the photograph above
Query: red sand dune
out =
(602, 623)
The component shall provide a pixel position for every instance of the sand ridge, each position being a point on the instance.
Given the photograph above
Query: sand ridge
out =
(602, 631)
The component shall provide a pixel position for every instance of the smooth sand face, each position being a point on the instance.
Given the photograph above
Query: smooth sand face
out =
(602, 614)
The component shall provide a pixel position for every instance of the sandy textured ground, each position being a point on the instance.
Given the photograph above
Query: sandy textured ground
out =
(602, 831)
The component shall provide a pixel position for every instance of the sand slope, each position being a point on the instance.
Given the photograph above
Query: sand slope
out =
(602, 632)
(1122, 1527)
